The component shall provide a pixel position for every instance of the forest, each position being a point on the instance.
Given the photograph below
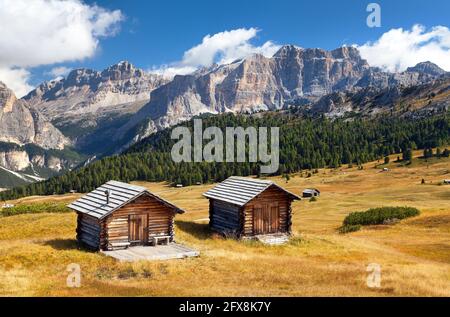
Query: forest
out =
(306, 144)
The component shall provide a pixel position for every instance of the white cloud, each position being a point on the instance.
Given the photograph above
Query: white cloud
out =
(220, 48)
(59, 71)
(45, 32)
(399, 49)
(16, 79)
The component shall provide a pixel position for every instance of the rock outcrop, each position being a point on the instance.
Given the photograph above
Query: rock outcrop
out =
(427, 68)
(22, 124)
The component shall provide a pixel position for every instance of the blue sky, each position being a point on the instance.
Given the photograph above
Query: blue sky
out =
(158, 32)
(154, 33)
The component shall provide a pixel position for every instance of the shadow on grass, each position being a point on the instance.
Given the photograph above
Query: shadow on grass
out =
(66, 244)
(198, 230)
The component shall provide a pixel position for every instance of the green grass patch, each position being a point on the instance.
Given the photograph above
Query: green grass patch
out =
(349, 228)
(34, 209)
(377, 216)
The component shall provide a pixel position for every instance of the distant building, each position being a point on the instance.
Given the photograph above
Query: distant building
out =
(311, 192)
(447, 181)
(118, 215)
(245, 207)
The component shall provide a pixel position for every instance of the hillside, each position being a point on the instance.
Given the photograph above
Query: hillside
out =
(305, 144)
(37, 248)
(421, 100)
(9, 179)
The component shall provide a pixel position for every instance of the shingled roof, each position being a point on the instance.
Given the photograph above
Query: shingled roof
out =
(240, 190)
(95, 203)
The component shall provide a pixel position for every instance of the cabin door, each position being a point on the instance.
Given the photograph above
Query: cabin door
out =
(138, 226)
(266, 218)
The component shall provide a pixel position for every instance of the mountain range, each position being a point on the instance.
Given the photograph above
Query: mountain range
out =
(94, 113)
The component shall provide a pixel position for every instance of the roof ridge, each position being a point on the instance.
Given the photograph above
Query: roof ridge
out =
(125, 185)
(262, 181)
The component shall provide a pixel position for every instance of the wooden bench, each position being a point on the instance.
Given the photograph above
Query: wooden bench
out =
(156, 239)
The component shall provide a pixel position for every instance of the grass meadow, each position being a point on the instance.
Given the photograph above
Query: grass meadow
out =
(414, 254)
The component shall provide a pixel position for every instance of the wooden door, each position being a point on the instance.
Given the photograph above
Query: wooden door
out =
(138, 226)
(266, 218)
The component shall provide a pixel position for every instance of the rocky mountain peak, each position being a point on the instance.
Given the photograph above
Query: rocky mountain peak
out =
(428, 68)
(347, 52)
(287, 50)
(88, 105)
(7, 98)
(81, 77)
(122, 71)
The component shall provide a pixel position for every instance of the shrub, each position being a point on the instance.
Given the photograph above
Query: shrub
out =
(376, 216)
(313, 199)
(34, 209)
(127, 273)
(349, 228)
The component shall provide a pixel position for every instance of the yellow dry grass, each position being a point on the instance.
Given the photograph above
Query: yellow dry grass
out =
(414, 255)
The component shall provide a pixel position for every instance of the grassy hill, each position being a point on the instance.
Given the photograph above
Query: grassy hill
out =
(413, 254)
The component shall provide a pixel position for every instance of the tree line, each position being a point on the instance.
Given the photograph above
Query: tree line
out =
(305, 144)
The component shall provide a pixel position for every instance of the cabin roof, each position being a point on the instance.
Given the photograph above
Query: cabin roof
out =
(95, 203)
(311, 190)
(240, 190)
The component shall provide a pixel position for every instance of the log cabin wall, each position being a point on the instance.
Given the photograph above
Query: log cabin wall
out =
(158, 220)
(89, 231)
(224, 217)
(271, 196)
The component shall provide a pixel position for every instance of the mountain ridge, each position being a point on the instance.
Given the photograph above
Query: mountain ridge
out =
(293, 76)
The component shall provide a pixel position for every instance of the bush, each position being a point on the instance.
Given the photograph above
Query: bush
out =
(349, 228)
(376, 216)
(313, 199)
(34, 209)
(127, 273)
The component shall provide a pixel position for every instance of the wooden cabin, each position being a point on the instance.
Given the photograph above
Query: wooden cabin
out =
(245, 207)
(311, 192)
(118, 215)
